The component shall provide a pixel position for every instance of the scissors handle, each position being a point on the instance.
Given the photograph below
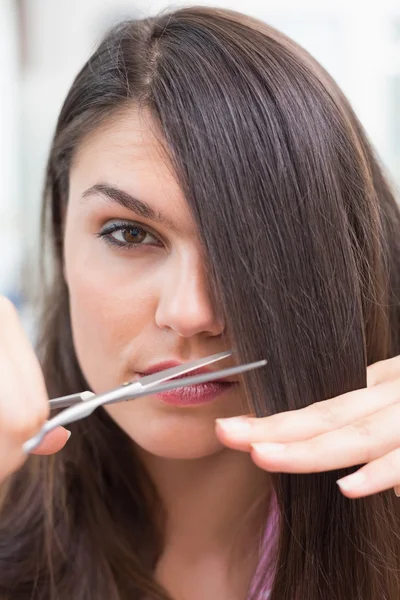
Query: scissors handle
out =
(77, 412)
(65, 401)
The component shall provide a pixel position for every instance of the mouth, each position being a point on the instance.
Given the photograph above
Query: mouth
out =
(192, 395)
(195, 395)
(168, 364)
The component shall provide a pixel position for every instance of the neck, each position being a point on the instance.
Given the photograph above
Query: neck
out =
(211, 502)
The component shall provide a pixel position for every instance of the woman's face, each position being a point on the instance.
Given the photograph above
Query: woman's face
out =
(133, 307)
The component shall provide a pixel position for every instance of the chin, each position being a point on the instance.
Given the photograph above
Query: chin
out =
(174, 449)
(176, 436)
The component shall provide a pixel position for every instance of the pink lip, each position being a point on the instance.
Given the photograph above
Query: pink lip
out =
(191, 395)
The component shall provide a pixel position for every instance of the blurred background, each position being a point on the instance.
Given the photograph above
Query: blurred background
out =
(43, 43)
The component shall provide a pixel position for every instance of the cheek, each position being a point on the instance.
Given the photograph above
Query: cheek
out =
(107, 311)
(106, 316)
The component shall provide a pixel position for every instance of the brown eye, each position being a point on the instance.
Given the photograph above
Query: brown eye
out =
(128, 235)
(133, 235)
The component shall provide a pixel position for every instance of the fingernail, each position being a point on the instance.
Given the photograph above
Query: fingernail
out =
(352, 481)
(265, 448)
(397, 491)
(69, 434)
(237, 426)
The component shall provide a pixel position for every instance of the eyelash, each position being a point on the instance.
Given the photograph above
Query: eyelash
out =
(106, 235)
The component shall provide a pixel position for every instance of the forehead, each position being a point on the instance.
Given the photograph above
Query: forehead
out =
(126, 151)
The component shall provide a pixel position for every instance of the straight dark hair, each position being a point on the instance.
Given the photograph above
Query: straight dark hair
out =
(301, 238)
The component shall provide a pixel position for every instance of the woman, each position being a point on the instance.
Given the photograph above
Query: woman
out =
(209, 187)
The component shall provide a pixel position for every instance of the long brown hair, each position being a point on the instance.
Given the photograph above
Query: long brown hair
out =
(300, 228)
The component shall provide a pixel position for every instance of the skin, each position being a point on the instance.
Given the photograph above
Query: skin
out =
(133, 308)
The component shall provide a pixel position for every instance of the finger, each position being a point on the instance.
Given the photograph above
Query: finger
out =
(53, 442)
(19, 365)
(383, 370)
(318, 418)
(360, 442)
(377, 476)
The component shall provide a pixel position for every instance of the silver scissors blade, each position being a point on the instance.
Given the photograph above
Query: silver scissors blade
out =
(129, 392)
(146, 381)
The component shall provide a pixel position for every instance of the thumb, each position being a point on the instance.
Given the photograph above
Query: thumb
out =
(53, 442)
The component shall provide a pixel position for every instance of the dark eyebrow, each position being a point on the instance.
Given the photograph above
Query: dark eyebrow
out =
(130, 202)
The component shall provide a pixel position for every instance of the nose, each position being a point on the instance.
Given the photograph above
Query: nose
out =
(185, 304)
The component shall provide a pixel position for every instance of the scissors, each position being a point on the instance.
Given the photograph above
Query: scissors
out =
(83, 404)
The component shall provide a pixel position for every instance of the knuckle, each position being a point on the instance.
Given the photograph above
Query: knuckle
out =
(363, 428)
(363, 431)
(326, 413)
